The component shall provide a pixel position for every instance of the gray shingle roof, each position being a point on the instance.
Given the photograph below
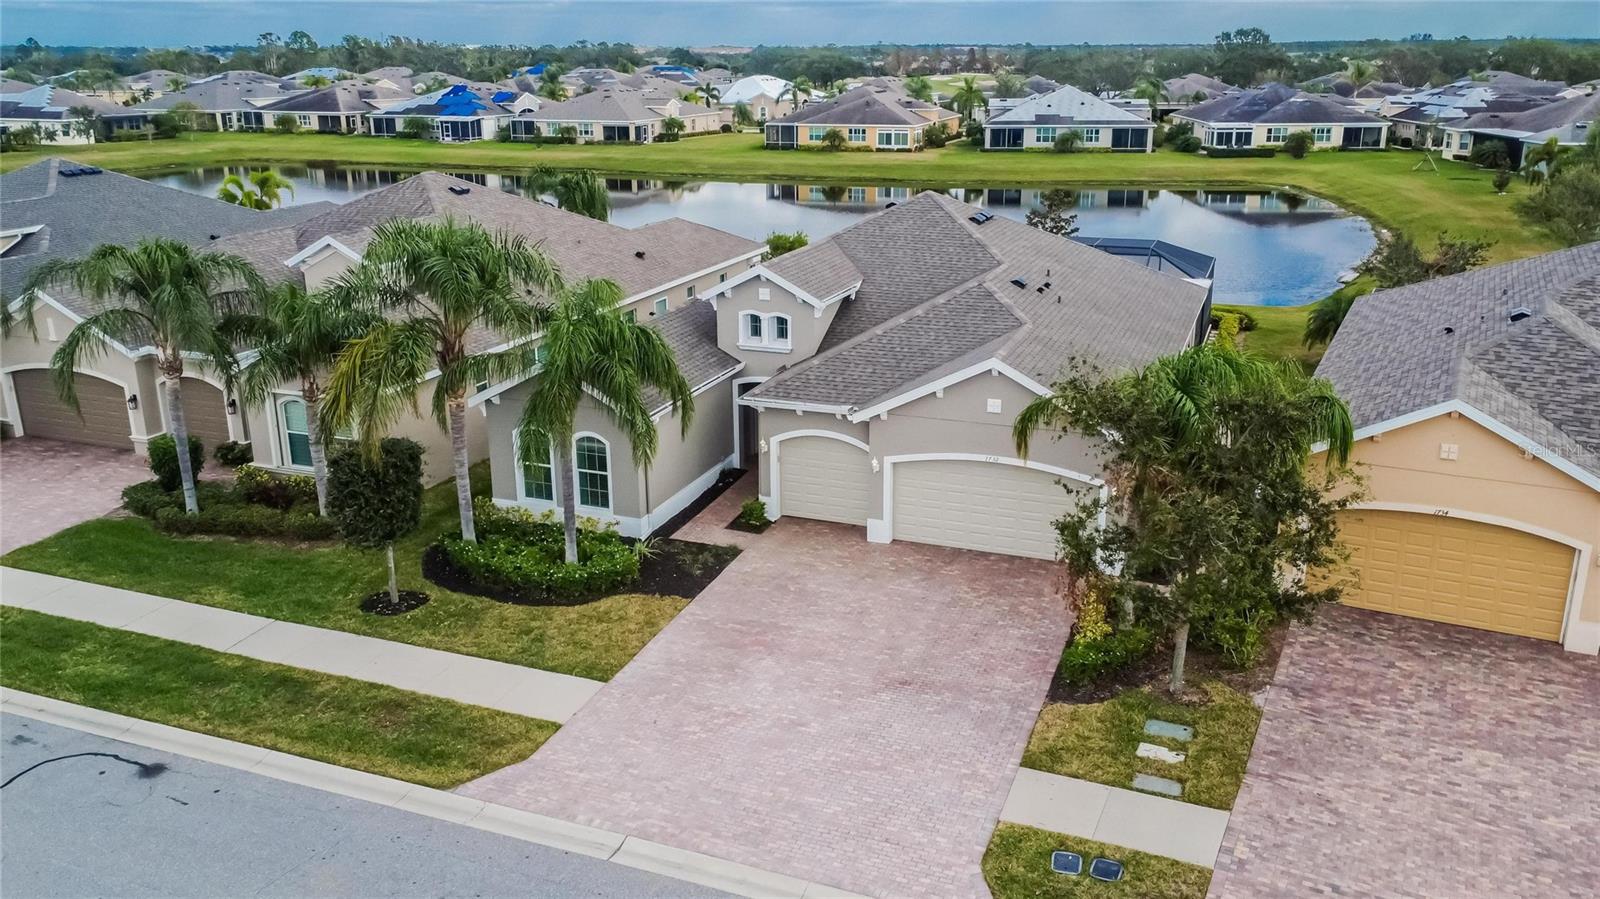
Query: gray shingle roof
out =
(47, 101)
(227, 91)
(938, 294)
(1067, 106)
(1278, 104)
(821, 270)
(866, 105)
(1414, 347)
(1544, 117)
(691, 331)
(345, 97)
(614, 104)
(1194, 83)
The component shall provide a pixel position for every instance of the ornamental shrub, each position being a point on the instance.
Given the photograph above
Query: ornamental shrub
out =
(259, 486)
(1240, 152)
(1177, 131)
(233, 454)
(1490, 154)
(753, 513)
(1299, 143)
(246, 521)
(936, 135)
(375, 502)
(1086, 661)
(164, 460)
(520, 554)
(1187, 144)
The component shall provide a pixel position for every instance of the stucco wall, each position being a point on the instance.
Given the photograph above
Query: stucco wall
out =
(1489, 477)
(806, 330)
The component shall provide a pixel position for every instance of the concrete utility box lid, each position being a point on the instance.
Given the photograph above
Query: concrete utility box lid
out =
(1155, 784)
(1157, 728)
(1159, 753)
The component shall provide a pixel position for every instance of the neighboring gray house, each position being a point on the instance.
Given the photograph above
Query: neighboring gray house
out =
(1570, 121)
(878, 115)
(1266, 116)
(340, 108)
(873, 377)
(1036, 122)
(59, 209)
(610, 114)
(232, 99)
(56, 113)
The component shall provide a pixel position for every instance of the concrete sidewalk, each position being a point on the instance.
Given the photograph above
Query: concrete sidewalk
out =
(1181, 830)
(495, 685)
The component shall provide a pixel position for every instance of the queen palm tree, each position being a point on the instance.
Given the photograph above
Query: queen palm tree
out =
(671, 127)
(919, 87)
(969, 97)
(435, 285)
(1360, 71)
(1150, 88)
(160, 291)
(176, 83)
(579, 190)
(709, 94)
(297, 337)
(1326, 316)
(553, 90)
(1542, 160)
(260, 189)
(589, 347)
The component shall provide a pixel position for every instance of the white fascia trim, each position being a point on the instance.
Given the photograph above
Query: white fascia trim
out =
(791, 405)
(668, 285)
(989, 365)
(1499, 428)
(318, 246)
(661, 410)
(761, 271)
(76, 320)
(483, 396)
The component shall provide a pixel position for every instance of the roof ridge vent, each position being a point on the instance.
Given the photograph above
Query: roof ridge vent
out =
(1020, 281)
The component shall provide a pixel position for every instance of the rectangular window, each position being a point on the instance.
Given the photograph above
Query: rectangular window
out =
(1044, 135)
(296, 433)
(630, 315)
(586, 129)
(858, 135)
(722, 277)
(1277, 134)
(661, 306)
(538, 480)
(858, 195)
(815, 134)
(894, 138)
(1323, 134)
(594, 477)
(540, 354)
(752, 328)
(1091, 135)
(689, 291)
(780, 330)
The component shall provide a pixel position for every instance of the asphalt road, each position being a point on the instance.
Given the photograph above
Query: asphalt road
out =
(96, 826)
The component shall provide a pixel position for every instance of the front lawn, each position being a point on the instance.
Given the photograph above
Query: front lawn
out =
(1017, 866)
(355, 724)
(322, 585)
(1097, 741)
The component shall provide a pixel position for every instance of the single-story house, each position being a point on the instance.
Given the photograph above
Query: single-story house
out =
(1570, 121)
(457, 113)
(615, 114)
(766, 96)
(1476, 403)
(1038, 121)
(232, 99)
(397, 77)
(873, 115)
(59, 209)
(660, 267)
(340, 108)
(1266, 116)
(156, 81)
(55, 111)
(872, 378)
(1187, 90)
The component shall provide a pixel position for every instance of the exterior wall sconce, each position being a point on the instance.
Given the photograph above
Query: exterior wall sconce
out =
(133, 402)
(233, 406)
(763, 446)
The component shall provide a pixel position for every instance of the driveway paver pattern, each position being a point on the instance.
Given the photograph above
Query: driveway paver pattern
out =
(828, 708)
(48, 485)
(1400, 757)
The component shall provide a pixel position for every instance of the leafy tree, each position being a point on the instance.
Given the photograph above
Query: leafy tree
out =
(1299, 143)
(192, 116)
(315, 81)
(1068, 141)
(286, 123)
(1214, 516)
(590, 348)
(1502, 180)
(833, 140)
(415, 127)
(433, 283)
(162, 292)
(920, 87)
(671, 127)
(969, 97)
(579, 190)
(376, 499)
(1007, 84)
(86, 123)
(1490, 154)
(1245, 52)
(1566, 207)
(297, 337)
(936, 135)
(779, 243)
(1151, 89)
(260, 189)
(1055, 213)
(1398, 261)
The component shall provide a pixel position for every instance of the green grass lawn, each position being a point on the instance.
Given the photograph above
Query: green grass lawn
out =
(370, 727)
(1096, 742)
(1017, 866)
(323, 585)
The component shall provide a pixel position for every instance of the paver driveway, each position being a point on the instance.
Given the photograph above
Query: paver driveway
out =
(843, 712)
(48, 485)
(1399, 757)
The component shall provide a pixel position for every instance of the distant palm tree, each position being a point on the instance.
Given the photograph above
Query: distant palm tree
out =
(1007, 84)
(969, 97)
(708, 94)
(920, 87)
(590, 348)
(552, 90)
(176, 83)
(1360, 71)
(1542, 160)
(580, 190)
(1326, 315)
(297, 337)
(742, 115)
(315, 81)
(264, 189)
(671, 127)
(433, 284)
(160, 291)
(1150, 88)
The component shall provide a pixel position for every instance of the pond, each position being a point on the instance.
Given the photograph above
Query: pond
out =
(1273, 248)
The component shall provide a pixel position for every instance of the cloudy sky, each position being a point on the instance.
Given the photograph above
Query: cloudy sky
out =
(701, 23)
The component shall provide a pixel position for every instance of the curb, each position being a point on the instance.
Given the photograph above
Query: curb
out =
(620, 848)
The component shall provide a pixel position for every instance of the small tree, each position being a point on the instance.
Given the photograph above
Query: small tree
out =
(286, 124)
(1068, 141)
(834, 140)
(1176, 132)
(1567, 207)
(1299, 143)
(936, 135)
(1398, 261)
(580, 191)
(376, 501)
(671, 128)
(1054, 215)
(1490, 154)
(779, 243)
(415, 128)
(260, 189)
(1502, 180)
(163, 452)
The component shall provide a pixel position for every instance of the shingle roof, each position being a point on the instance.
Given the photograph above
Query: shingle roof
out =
(938, 294)
(691, 331)
(227, 91)
(1067, 106)
(1277, 104)
(459, 100)
(865, 105)
(822, 270)
(1410, 348)
(614, 104)
(1193, 83)
(343, 97)
(1541, 118)
(47, 101)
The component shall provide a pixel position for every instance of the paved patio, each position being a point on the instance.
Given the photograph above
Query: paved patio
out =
(47, 486)
(1399, 757)
(843, 712)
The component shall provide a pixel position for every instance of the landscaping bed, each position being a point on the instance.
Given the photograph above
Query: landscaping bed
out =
(254, 504)
(370, 727)
(1017, 866)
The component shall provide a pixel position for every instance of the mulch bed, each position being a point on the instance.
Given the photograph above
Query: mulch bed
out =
(1200, 665)
(675, 568)
(738, 524)
(381, 604)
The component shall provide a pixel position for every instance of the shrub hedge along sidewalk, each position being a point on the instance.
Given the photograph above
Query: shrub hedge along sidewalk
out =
(370, 727)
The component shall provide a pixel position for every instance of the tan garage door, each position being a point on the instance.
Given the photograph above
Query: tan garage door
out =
(823, 478)
(204, 413)
(1457, 571)
(979, 505)
(104, 411)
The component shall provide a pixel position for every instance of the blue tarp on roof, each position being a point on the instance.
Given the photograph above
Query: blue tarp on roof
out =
(535, 71)
(504, 96)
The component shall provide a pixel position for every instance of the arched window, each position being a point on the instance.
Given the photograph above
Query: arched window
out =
(538, 477)
(765, 332)
(593, 459)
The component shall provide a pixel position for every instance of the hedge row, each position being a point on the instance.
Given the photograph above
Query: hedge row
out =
(521, 555)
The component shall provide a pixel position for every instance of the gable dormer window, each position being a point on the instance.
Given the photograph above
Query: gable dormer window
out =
(769, 333)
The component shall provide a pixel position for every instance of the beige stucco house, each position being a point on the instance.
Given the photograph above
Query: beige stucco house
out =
(615, 114)
(877, 116)
(1266, 116)
(872, 379)
(1476, 400)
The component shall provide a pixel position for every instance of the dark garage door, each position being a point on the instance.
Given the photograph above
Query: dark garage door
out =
(101, 417)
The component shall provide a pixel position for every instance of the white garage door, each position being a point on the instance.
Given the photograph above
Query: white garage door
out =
(979, 505)
(823, 478)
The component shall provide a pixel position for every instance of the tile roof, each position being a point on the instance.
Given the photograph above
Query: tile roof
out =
(1409, 348)
(938, 294)
(1067, 106)
(1277, 104)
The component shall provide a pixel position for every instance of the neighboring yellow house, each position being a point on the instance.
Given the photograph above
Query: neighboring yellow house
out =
(1266, 116)
(874, 116)
(1476, 400)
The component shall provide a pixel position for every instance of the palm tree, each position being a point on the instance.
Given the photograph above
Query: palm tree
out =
(176, 83)
(1541, 161)
(1150, 88)
(580, 191)
(969, 97)
(671, 127)
(1360, 71)
(919, 87)
(590, 348)
(264, 189)
(741, 112)
(553, 90)
(709, 94)
(162, 291)
(297, 337)
(434, 284)
(1007, 84)
(1326, 316)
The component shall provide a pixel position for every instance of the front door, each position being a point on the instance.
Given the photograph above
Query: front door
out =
(749, 432)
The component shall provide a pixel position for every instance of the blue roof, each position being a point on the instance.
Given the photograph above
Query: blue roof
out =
(503, 96)
(1187, 261)
(535, 70)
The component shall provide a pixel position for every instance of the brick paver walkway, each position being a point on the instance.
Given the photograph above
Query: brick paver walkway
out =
(47, 485)
(839, 711)
(1399, 757)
